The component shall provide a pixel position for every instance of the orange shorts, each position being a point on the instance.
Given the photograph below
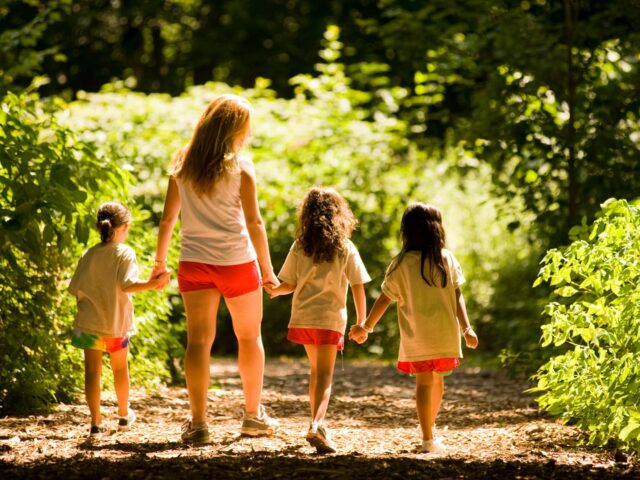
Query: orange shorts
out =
(231, 280)
(442, 366)
(316, 336)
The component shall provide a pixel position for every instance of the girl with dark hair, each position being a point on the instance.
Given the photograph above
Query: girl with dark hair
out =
(424, 279)
(105, 277)
(320, 266)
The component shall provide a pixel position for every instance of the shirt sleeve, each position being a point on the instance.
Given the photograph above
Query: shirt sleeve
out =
(356, 271)
(289, 271)
(457, 277)
(390, 286)
(127, 268)
(73, 284)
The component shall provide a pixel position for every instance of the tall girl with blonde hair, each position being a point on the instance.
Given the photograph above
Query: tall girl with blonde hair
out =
(223, 253)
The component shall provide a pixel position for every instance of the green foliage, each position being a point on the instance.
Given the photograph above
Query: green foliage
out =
(327, 134)
(595, 318)
(23, 26)
(49, 184)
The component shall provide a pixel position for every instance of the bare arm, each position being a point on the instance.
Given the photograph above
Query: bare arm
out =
(360, 302)
(155, 283)
(167, 224)
(283, 289)
(470, 337)
(359, 333)
(255, 224)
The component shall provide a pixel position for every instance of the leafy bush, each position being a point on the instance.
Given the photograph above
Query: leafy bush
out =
(596, 320)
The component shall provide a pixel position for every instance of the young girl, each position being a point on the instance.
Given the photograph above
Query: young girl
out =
(222, 235)
(424, 279)
(106, 274)
(320, 265)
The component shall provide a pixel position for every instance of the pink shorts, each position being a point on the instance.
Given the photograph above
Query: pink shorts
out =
(443, 366)
(231, 280)
(316, 336)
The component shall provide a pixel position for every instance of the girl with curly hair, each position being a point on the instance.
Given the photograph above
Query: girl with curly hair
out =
(321, 264)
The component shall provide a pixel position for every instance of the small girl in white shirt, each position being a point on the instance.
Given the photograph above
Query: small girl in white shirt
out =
(105, 276)
(424, 279)
(321, 264)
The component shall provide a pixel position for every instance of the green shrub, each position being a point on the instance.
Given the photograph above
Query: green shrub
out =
(595, 318)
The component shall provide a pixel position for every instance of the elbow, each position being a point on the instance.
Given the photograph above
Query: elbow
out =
(255, 223)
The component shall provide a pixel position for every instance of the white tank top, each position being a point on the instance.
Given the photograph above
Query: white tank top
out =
(214, 230)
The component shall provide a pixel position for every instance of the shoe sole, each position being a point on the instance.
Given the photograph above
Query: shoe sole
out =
(321, 447)
(200, 441)
(258, 432)
(123, 428)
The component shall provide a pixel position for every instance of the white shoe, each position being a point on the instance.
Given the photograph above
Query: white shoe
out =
(434, 445)
(320, 437)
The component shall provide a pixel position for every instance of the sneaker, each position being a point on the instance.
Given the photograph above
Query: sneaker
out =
(195, 435)
(96, 432)
(320, 438)
(433, 446)
(126, 422)
(261, 424)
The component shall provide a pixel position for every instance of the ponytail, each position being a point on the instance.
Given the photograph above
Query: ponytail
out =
(111, 215)
(106, 230)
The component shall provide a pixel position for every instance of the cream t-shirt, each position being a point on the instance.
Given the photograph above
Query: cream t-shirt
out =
(426, 315)
(320, 295)
(103, 308)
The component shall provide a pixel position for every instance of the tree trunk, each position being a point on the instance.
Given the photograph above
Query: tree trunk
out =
(570, 16)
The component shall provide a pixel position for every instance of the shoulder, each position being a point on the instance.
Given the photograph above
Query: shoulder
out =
(449, 256)
(125, 252)
(352, 250)
(246, 165)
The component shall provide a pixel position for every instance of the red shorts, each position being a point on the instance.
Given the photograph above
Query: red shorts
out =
(443, 366)
(316, 336)
(231, 280)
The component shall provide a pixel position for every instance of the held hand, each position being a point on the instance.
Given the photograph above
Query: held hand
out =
(471, 339)
(358, 334)
(162, 280)
(158, 269)
(271, 290)
(270, 279)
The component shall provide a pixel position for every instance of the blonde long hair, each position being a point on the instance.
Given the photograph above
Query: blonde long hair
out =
(210, 155)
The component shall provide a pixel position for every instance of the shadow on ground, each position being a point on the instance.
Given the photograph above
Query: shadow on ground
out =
(278, 467)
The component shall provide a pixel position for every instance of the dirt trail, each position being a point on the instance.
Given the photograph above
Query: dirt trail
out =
(492, 430)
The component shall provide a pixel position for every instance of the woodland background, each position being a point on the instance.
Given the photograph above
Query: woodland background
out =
(519, 119)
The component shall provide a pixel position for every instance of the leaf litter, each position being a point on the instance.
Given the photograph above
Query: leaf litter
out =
(491, 428)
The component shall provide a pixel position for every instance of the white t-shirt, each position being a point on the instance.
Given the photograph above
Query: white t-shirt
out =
(213, 229)
(426, 315)
(320, 295)
(103, 308)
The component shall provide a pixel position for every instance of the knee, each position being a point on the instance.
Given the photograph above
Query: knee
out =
(324, 377)
(249, 340)
(199, 339)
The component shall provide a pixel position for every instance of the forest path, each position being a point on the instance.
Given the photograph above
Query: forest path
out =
(492, 430)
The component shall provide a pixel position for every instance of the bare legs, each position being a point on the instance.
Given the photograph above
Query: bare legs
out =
(201, 308)
(92, 381)
(92, 373)
(429, 389)
(246, 312)
(322, 359)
